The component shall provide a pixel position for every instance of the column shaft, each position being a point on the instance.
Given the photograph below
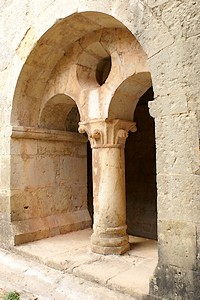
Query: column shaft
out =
(109, 201)
(107, 139)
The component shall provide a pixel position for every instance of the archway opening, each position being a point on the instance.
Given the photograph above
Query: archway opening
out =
(140, 166)
(90, 65)
(79, 56)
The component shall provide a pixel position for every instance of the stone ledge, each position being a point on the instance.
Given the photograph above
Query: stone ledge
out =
(30, 230)
(21, 132)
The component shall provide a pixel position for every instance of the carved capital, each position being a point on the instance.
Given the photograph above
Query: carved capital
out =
(107, 133)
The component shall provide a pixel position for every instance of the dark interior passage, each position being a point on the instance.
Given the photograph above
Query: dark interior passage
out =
(140, 157)
(89, 181)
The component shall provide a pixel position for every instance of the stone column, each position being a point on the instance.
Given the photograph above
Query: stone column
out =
(107, 139)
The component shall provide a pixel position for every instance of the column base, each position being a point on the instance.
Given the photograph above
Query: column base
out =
(110, 241)
(110, 250)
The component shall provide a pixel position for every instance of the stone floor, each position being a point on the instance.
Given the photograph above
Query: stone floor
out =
(35, 281)
(70, 254)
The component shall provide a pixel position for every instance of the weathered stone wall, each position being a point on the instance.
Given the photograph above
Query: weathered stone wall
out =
(48, 183)
(178, 185)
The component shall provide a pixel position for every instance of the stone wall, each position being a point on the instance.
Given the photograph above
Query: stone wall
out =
(48, 183)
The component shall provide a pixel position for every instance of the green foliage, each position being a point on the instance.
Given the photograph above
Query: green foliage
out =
(12, 296)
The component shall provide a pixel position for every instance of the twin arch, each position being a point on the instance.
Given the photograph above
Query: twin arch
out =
(101, 69)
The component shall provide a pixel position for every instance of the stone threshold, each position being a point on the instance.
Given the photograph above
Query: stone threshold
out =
(70, 253)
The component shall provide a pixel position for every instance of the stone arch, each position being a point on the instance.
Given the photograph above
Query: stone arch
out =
(47, 33)
(126, 97)
(70, 58)
(99, 63)
(166, 39)
(54, 45)
(60, 113)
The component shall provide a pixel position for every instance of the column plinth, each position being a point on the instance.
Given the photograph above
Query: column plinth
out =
(107, 139)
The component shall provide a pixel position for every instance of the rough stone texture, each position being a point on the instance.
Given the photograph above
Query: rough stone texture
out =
(177, 237)
(34, 280)
(49, 193)
(171, 282)
(55, 49)
(70, 253)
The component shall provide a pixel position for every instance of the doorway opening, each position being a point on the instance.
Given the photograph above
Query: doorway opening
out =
(140, 166)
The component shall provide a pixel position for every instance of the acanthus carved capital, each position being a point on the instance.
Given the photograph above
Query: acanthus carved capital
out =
(107, 133)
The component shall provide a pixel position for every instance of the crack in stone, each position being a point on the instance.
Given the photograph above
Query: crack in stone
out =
(117, 275)
(160, 50)
(46, 7)
(83, 263)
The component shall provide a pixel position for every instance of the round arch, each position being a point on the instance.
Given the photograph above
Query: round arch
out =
(59, 63)
(164, 46)
(126, 97)
(60, 113)
(53, 46)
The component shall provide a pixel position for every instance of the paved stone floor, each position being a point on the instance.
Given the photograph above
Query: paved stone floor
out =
(62, 267)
